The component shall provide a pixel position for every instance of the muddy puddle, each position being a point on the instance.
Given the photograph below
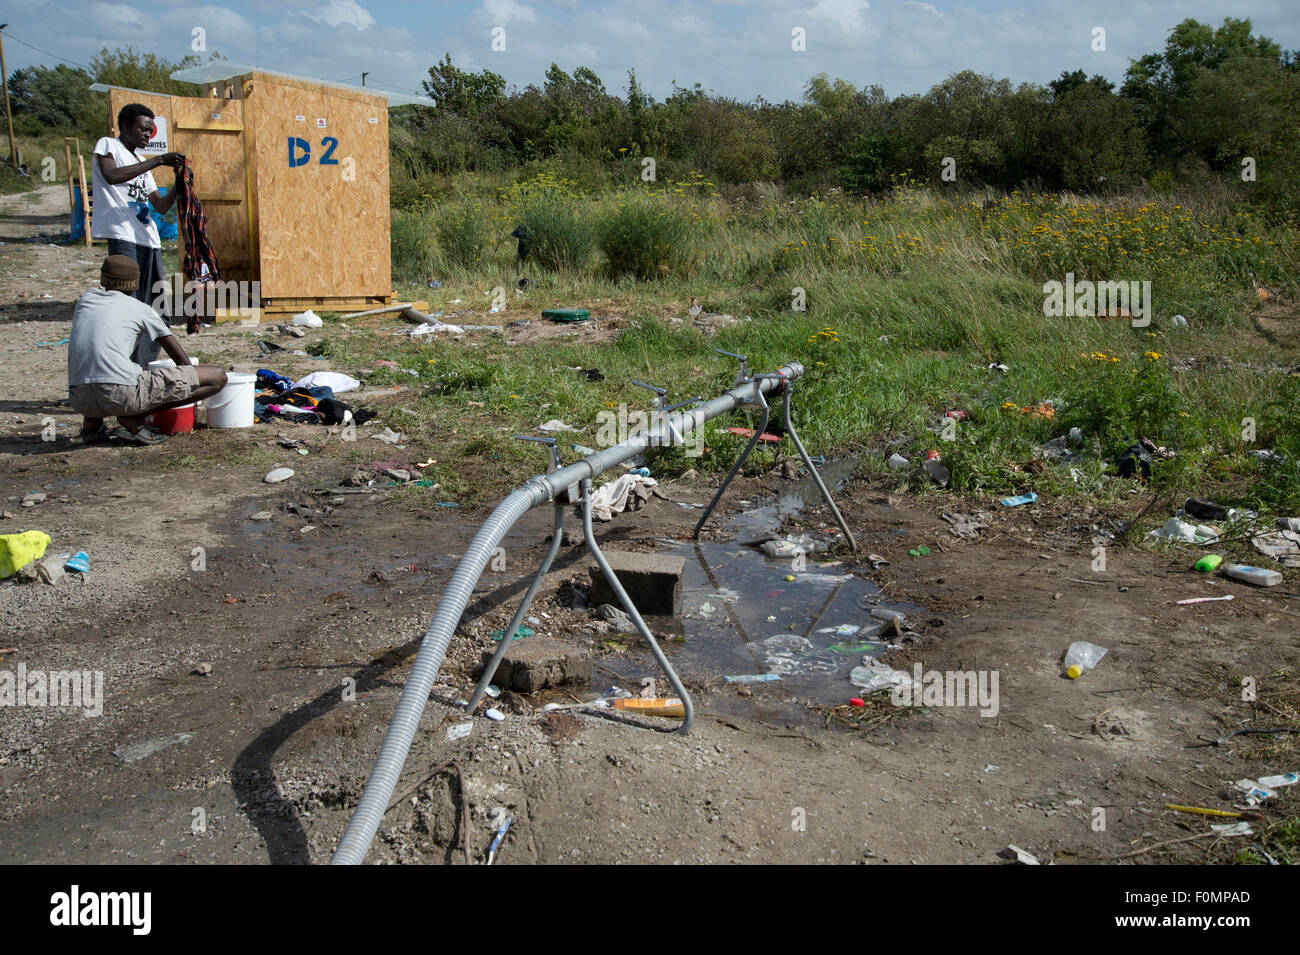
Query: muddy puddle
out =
(790, 627)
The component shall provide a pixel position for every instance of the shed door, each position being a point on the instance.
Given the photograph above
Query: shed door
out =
(210, 132)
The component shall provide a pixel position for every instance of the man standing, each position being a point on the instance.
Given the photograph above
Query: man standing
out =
(124, 189)
(103, 378)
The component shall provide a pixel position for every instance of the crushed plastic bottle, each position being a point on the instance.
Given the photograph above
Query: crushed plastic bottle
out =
(1082, 657)
(1259, 576)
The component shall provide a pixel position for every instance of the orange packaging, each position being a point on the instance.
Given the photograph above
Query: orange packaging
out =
(659, 706)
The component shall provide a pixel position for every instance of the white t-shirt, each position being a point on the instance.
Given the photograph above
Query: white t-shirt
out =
(116, 209)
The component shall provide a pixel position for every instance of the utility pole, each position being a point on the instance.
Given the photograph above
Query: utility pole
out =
(4, 79)
(363, 78)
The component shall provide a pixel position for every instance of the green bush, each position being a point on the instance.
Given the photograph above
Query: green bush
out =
(646, 238)
(557, 236)
(412, 247)
(462, 234)
(1121, 403)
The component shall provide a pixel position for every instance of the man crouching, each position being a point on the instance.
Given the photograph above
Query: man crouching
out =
(103, 378)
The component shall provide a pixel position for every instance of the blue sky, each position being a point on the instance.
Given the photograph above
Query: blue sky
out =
(736, 49)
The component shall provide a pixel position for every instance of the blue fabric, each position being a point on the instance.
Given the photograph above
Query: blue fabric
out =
(269, 379)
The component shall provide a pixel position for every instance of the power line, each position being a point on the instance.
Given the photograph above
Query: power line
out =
(399, 89)
(47, 52)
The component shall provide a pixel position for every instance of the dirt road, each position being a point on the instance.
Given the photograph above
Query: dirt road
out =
(266, 756)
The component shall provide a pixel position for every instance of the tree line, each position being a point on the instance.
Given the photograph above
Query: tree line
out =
(1216, 102)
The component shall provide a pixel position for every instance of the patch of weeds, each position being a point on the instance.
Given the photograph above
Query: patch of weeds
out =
(877, 710)
(1281, 840)
(185, 462)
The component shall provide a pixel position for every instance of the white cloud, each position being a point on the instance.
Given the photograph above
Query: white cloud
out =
(116, 14)
(688, 24)
(847, 13)
(340, 12)
(927, 7)
(579, 54)
(501, 12)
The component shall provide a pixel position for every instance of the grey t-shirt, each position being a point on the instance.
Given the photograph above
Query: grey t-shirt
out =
(106, 328)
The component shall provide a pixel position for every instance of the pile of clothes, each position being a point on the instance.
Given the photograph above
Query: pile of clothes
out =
(310, 400)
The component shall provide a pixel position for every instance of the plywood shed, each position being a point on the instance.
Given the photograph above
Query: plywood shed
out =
(293, 177)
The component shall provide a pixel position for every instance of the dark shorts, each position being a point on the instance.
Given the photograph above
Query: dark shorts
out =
(154, 387)
(151, 267)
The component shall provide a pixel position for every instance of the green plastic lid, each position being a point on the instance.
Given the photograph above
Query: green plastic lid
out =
(566, 314)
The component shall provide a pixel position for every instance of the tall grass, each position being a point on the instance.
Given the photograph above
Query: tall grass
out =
(646, 238)
(414, 257)
(907, 303)
(558, 231)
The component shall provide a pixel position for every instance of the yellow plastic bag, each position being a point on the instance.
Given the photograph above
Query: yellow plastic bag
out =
(19, 550)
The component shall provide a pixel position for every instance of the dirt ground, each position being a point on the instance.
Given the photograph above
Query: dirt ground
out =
(340, 587)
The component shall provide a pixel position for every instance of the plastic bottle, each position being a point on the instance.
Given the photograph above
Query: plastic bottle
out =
(1208, 563)
(1082, 657)
(1258, 576)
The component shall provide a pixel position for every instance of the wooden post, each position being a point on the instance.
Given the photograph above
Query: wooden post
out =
(67, 166)
(4, 78)
(85, 196)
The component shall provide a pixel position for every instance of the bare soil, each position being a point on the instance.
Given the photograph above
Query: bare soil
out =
(340, 587)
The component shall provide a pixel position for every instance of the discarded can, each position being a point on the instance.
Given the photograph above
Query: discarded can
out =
(887, 615)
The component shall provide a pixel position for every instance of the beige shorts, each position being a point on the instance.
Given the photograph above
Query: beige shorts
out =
(154, 387)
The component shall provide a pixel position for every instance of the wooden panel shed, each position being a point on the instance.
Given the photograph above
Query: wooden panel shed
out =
(293, 176)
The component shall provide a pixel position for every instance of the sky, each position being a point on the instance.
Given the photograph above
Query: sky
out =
(739, 50)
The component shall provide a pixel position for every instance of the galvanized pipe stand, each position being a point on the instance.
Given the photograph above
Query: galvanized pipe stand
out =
(536, 491)
(758, 398)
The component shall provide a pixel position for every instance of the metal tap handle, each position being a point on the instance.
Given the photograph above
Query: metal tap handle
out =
(641, 384)
(680, 404)
(549, 442)
(742, 375)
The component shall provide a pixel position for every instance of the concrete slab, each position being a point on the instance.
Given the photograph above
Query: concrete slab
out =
(653, 581)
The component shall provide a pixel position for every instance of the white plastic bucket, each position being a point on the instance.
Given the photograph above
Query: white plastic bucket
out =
(232, 406)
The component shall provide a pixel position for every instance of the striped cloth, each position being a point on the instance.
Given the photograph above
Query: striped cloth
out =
(200, 263)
